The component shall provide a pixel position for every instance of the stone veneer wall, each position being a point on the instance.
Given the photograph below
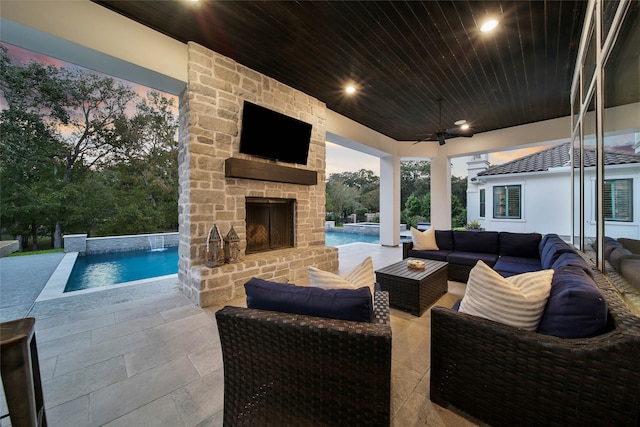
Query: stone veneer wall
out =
(210, 116)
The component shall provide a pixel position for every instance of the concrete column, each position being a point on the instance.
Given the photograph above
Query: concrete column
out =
(441, 192)
(390, 201)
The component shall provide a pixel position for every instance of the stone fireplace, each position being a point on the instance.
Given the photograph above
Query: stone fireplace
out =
(277, 211)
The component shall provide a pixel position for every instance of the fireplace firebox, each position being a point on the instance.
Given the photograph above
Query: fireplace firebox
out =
(270, 224)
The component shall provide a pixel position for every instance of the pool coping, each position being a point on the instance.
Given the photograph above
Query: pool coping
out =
(54, 288)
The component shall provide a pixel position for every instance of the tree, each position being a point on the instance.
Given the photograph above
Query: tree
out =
(415, 178)
(458, 212)
(348, 191)
(425, 205)
(74, 146)
(148, 175)
(343, 197)
(459, 189)
(31, 161)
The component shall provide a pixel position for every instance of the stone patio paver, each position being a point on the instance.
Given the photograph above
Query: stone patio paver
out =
(145, 358)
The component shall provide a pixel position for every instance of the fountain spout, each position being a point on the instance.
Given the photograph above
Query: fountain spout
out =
(156, 243)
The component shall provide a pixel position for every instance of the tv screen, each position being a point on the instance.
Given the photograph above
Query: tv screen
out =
(272, 135)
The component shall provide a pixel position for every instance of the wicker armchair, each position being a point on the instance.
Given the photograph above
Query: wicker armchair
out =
(506, 376)
(289, 369)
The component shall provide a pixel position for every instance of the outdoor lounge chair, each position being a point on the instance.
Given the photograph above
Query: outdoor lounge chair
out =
(291, 369)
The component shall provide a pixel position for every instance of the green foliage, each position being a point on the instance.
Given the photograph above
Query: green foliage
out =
(82, 153)
(415, 178)
(474, 225)
(412, 206)
(40, 252)
(458, 212)
(358, 192)
(351, 191)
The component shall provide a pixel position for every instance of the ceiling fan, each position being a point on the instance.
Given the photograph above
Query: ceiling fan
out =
(442, 134)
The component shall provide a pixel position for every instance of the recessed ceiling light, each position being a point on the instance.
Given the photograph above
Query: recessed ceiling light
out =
(464, 126)
(489, 25)
(350, 89)
(460, 122)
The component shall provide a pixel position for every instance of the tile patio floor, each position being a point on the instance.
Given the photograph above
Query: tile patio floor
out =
(156, 360)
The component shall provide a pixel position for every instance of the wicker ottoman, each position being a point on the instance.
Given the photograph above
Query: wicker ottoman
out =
(413, 290)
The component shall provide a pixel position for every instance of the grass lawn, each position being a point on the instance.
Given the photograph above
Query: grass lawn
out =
(44, 251)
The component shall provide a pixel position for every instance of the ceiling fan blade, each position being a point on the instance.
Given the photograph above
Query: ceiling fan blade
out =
(428, 137)
(459, 132)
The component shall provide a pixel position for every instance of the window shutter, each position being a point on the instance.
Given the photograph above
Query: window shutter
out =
(513, 210)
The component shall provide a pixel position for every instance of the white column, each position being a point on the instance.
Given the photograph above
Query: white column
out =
(441, 192)
(390, 201)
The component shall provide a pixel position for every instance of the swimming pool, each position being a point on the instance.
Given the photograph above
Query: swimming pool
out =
(333, 238)
(97, 270)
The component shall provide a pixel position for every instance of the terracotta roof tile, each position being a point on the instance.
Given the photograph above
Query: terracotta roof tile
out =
(555, 157)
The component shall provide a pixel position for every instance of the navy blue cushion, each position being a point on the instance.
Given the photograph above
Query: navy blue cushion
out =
(516, 265)
(344, 304)
(552, 250)
(471, 258)
(609, 245)
(444, 239)
(574, 260)
(434, 255)
(523, 245)
(617, 255)
(484, 242)
(544, 239)
(576, 307)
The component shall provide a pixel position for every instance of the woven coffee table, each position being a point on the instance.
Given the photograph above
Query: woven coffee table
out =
(413, 290)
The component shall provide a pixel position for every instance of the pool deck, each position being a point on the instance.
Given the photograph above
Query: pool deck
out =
(146, 355)
(31, 285)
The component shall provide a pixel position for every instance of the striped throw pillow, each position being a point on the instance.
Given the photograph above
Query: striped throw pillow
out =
(517, 301)
(362, 275)
(424, 240)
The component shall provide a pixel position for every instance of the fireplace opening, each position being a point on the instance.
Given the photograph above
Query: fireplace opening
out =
(270, 224)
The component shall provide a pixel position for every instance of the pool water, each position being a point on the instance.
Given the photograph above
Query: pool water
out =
(336, 239)
(93, 271)
(98, 270)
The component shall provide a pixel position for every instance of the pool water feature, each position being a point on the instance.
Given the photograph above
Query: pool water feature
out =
(98, 270)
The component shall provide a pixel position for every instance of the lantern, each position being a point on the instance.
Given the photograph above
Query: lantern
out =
(232, 246)
(215, 249)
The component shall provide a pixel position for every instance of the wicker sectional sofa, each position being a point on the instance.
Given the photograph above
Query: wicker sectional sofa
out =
(507, 253)
(582, 366)
(506, 376)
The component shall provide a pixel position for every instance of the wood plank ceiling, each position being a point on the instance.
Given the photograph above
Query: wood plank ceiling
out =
(402, 55)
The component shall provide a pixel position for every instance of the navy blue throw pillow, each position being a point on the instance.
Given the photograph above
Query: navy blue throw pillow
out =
(523, 245)
(345, 304)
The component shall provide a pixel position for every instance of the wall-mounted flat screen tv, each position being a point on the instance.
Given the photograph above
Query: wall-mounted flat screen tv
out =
(272, 135)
